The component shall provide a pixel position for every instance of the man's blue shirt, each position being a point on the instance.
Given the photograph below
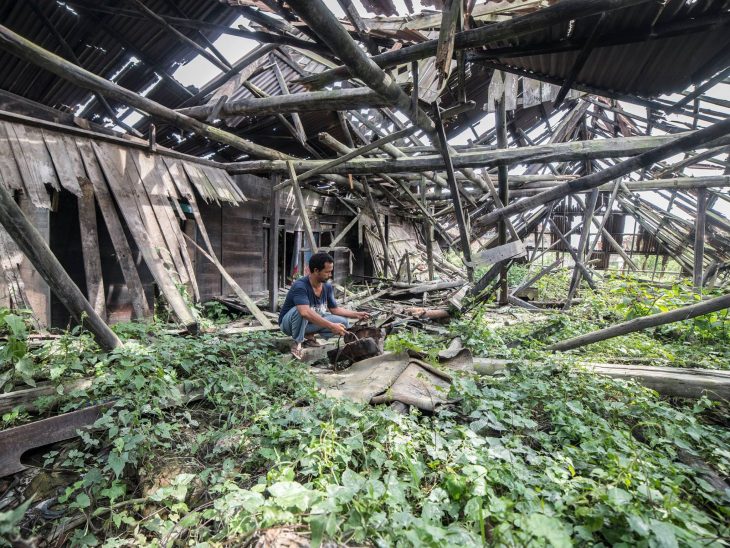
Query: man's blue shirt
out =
(302, 292)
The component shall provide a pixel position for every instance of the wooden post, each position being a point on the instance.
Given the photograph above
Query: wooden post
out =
(455, 196)
(501, 126)
(90, 248)
(429, 233)
(32, 244)
(273, 273)
(699, 247)
(588, 211)
(379, 228)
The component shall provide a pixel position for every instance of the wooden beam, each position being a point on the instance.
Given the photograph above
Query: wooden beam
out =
(379, 228)
(588, 212)
(240, 293)
(327, 167)
(32, 53)
(539, 154)
(273, 272)
(639, 324)
(35, 248)
(594, 180)
(322, 21)
(90, 248)
(556, 230)
(337, 99)
(501, 126)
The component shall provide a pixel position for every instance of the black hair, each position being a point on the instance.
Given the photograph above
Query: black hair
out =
(318, 260)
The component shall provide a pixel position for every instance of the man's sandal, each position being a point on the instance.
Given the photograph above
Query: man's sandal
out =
(297, 351)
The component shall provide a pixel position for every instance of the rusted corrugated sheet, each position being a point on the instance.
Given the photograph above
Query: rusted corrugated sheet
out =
(646, 68)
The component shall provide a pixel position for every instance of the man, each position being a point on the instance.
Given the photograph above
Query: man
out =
(310, 307)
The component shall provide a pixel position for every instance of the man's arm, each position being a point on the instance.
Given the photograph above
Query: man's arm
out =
(310, 315)
(345, 313)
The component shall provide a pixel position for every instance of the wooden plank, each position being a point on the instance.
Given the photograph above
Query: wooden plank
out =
(9, 173)
(158, 229)
(200, 182)
(66, 160)
(165, 217)
(119, 184)
(16, 441)
(273, 263)
(140, 307)
(90, 247)
(500, 253)
(32, 180)
(171, 189)
(36, 287)
(13, 294)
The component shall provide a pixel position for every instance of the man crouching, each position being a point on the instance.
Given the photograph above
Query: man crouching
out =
(310, 307)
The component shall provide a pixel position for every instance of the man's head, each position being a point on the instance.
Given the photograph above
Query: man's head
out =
(321, 266)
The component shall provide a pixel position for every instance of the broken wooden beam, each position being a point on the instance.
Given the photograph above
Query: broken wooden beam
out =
(324, 23)
(35, 248)
(240, 293)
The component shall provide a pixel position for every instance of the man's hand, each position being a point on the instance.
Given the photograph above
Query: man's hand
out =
(362, 315)
(338, 329)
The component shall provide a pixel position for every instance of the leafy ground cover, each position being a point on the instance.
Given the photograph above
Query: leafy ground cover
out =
(545, 455)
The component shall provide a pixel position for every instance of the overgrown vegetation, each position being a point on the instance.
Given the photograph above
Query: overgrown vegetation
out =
(209, 439)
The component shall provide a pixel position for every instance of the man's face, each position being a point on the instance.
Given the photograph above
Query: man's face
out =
(326, 273)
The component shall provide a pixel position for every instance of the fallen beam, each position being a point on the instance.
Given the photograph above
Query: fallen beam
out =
(639, 324)
(35, 248)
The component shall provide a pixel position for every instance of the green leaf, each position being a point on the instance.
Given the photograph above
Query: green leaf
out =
(664, 534)
(82, 501)
(550, 529)
(117, 462)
